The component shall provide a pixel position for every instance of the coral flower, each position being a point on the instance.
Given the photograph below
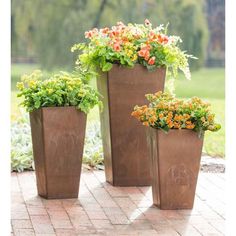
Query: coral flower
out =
(116, 47)
(152, 61)
(88, 34)
(147, 55)
(147, 22)
(105, 30)
(141, 53)
(163, 39)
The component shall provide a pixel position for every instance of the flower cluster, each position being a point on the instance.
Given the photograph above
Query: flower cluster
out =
(167, 112)
(133, 44)
(62, 89)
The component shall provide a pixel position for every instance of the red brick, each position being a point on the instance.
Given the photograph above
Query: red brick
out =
(125, 202)
(24, 232)
(61, 224)
(133, 214)
(102, 224)
(106, 210)
(21, 224)
(42, 224)
(37, 210)
(141, 224)
(96, 215)
(19, 215)
(66, 232)
(58, 215)
(171, 214)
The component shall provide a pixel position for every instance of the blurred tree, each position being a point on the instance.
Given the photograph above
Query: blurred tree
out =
(46, 30)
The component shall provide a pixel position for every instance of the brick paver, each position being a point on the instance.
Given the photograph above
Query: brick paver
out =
(102, 209)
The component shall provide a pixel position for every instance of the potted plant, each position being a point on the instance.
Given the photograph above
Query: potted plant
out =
(57, 108)
(132, 60)
(175, 140)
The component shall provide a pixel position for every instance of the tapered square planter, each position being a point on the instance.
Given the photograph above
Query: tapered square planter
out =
(175, 161)
(58, 140)
(124, 139)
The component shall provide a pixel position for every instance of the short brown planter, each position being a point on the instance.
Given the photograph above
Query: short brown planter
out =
(58, 140)
(175, 161)
(124, 139)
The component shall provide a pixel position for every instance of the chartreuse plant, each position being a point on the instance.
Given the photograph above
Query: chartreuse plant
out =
(132, 44)
(62, 89)
(166, 112)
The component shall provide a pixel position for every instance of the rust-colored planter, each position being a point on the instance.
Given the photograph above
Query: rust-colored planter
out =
(58, 140)
(124, 139)
(175, 162)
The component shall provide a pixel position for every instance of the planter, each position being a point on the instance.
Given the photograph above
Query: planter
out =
(175, 159)
(124, 139)
(58, 140)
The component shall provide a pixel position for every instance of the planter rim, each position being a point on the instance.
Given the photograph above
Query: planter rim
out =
(136, 65)
(57, 107)
(173, 130)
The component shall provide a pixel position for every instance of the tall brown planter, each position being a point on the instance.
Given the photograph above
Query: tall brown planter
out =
(124, 139)
(58, 140)
(175, 161)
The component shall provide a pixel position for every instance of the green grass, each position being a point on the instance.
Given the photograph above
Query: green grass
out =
(206, 83)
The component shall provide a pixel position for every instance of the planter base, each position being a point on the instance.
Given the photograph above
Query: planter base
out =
(58, 139)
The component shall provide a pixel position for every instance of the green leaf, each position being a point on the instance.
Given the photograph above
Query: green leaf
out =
(107, 66)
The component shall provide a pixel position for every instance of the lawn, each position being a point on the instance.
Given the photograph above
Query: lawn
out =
(208, 84)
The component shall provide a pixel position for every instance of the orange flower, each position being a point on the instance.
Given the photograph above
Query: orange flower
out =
(176, 125)
(152, 61)
(145, 123)
(186, 116)
(170, 124)
(190, 126)
(161, 115)
(188, 122)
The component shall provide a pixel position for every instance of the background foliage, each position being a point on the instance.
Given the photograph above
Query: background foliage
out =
(46, 35)
(44, 31)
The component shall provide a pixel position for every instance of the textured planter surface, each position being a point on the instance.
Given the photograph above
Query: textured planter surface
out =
(124, 139)
(175, 159)
(58, 140)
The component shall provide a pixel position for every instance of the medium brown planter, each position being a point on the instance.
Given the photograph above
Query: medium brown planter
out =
(58, 140)
(124, 139)
(175, 161)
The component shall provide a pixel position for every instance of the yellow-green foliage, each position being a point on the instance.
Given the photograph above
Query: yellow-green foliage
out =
(62, 89)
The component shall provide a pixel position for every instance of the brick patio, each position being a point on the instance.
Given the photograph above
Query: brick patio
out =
(105, 210)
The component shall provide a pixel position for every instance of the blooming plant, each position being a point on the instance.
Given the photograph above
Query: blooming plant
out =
(62, 89)
(167, 112)
(132, 44)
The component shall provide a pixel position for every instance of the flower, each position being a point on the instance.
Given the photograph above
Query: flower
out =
(152, 61)
(88, 34)
(147, 22)
(167, 112)
(146, 43)
(117, 47)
